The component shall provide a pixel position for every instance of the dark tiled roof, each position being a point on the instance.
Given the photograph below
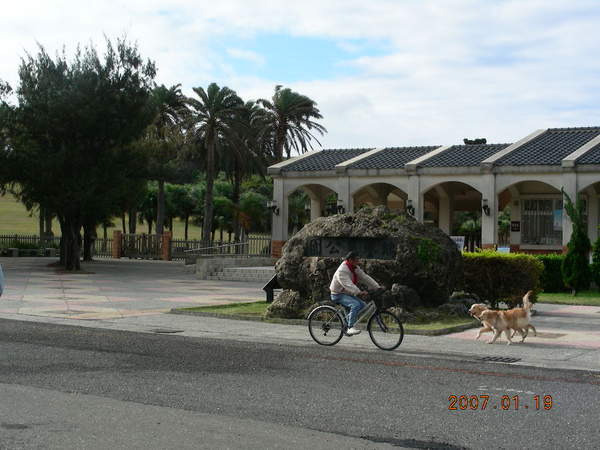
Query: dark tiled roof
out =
(463, 155)
(392, 157)
(592, 156)
(324, 160)
(550, 147)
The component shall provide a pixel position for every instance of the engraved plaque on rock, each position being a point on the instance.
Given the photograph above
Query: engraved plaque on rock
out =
(367, 248)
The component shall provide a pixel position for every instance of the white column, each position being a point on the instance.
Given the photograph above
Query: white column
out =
(444, 214)
(343, 193)
(414, 195)
(279, 222)
(489, 224)
(315, 208)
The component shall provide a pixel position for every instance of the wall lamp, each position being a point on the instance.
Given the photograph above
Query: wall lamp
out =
(340, 207)
(485, 207)
(272, 205)
(307, 208)
(410, 209)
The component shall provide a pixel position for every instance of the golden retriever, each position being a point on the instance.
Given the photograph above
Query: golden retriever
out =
(516, 319)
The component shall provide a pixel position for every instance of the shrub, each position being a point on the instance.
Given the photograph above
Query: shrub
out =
(496, 277)
(575, 267)
(551, 278)
(595, 267)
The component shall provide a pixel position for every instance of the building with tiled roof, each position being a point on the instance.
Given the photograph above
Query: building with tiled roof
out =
(435, 183)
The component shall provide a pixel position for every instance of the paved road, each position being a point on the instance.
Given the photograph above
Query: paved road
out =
(78, 387)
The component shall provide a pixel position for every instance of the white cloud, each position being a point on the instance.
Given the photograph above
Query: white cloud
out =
(246, 55)
(452, 69)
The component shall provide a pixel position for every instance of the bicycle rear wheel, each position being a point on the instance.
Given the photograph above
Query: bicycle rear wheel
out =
(325, 325)
(386, 330)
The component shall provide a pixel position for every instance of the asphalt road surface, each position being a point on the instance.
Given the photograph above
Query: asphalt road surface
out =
(71, 387)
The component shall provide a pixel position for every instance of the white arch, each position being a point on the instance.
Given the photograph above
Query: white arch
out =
(292, 185)
(373, 183)
(434, 183)
(503, 183)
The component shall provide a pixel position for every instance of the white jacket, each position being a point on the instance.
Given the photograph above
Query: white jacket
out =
(342, 280)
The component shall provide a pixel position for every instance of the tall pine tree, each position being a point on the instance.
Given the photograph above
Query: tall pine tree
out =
(575, 267)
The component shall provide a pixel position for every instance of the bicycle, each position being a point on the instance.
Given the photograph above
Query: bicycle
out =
(327, 325)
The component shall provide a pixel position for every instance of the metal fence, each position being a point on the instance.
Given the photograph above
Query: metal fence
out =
(28, 241)
(144, 246)
(256, 245)
(103, 248)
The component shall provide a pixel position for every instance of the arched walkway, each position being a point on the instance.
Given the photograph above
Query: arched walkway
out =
(535, 212)
(455, 207)
(377, 194)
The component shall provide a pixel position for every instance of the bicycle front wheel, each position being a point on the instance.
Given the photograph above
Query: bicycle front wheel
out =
(386, 330)
(325, 325)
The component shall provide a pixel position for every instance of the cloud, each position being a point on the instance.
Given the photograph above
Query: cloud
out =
(246, 55)
(424, 72)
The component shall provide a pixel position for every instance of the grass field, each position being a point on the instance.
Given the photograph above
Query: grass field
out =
(257, 309)
(15, 219)
(588, 298)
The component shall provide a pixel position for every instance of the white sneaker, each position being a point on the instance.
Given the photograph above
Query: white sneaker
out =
(352, 331)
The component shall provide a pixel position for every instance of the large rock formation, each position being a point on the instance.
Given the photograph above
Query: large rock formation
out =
(417, 264)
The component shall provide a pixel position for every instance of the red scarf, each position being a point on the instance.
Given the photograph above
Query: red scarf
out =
(354, 276)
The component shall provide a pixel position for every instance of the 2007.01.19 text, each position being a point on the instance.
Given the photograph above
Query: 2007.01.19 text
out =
(481, 402)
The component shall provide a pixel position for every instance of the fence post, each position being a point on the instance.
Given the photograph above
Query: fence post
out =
(165, 252)
(117, 243)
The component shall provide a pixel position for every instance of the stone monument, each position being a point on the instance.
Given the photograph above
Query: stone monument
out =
(417, 264)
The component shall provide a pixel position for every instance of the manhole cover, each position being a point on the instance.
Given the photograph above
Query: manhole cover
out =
(503, 359)
(165, 331)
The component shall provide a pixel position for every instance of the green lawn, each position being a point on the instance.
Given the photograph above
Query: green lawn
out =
(15, 219)
(248, 309)
(257, 309)
(589, 298)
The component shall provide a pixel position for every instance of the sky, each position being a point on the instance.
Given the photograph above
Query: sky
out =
(383, 72)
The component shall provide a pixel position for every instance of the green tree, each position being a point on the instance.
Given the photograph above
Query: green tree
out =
(164, 141)
(213, 118)
(72, 128)
(575, 267)
(289, 123)
(243, 155)
(183, 202)
(254, 216)
(595, 267)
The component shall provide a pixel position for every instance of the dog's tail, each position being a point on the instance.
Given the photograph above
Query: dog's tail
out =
(526, 302)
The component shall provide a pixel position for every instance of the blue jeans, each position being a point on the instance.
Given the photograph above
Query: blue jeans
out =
(355, 305)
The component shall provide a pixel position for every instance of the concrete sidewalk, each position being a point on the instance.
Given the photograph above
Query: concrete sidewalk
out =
(568, 336)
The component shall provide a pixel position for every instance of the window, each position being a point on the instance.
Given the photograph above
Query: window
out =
(541, 221)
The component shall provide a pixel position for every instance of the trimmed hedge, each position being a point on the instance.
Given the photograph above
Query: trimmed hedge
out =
(551, 279)
(496, 277)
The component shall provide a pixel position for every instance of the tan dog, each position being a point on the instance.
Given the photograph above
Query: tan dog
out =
(478, 308)
(516, 319)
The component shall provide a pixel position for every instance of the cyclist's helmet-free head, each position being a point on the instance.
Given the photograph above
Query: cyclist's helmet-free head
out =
(351, 255)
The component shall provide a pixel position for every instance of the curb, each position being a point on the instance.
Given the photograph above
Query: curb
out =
(302, 322)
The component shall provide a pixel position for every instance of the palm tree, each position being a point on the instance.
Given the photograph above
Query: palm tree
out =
(171, 106)
(244, 155)
(289, 123)
(213, 119)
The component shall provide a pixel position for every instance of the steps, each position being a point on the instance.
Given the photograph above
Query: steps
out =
(260, 274)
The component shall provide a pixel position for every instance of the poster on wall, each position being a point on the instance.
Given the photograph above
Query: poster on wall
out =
(459, 241)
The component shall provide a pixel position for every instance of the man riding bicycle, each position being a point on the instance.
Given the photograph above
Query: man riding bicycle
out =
(345, 292)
